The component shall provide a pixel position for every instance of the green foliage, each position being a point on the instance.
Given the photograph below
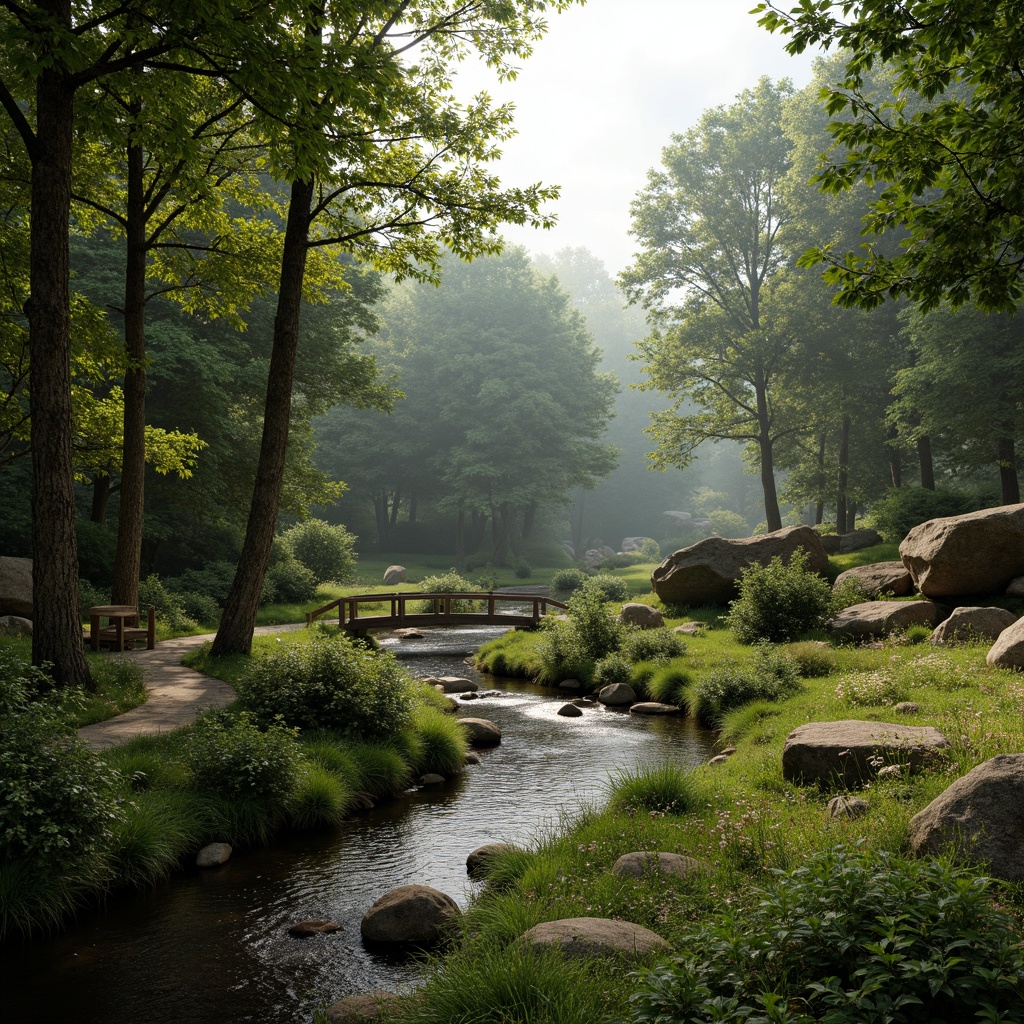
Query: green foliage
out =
(382, 771)
(610, 588)
(896, 681)
(664, 788)
(328, 552)
(850, 936)
(650, 549)
(442, 742)
(565, 581)
(612, 668)
(669, 683)
(199, 607)
(779, 602)
(214, 580)
(168, 606)
(321, 797)
(96, 545)
(88, 596)
(57, 803)
(229, 754)
(449, 582)
(332, 682)
(570, 647)
(812, 659)
(902, 508)
(652, 644)
(521, 567)
(770, 676)
(291, 581)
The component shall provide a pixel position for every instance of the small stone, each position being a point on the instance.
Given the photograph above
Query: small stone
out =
(651, 707)
(431, 779)
(847, 807)
(213, 856)
(469, 696)
(718, 759)
(569, 684)
(636, 865)
(304, 929)
(472, 758)
(570, 711)
(690, 628)
(908, 707)
(363, 1007)
(479, 861)
(728, 752)
(481, 732)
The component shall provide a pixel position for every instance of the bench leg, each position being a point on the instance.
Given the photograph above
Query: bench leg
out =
(151, 628)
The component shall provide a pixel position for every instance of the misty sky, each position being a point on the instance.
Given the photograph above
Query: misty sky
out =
(604, 91)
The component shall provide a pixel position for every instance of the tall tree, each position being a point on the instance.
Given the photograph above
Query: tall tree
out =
(710, 230)
(384, 162)
(948, 169)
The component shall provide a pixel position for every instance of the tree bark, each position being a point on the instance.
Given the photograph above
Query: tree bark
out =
(842, 517)
(56, 625)
(128, 554)
(819, 505)
(895, 459)
(924, 458)
(576, 526)
(764, 443)
(100, 497)
(500, 528)
(460, 540)
(529, 517)
(1009, 483)
(239, 619)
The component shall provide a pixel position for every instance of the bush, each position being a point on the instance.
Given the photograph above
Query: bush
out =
(229, 754)
(779, 602)
(565, 581)
(571, 646)
(770, 677)
(449, 582)
(168, 605)
(214, 580)
(522, 568)
(327, 551)
(903, 508)
(849, 937)
(88, 595)
(293, 583)
(200, 607)
(650, 550)
(611, 669)
(652, 644)
(812, 659)
(331, 683)
(57, 802)
(611, 588)
(728, 524)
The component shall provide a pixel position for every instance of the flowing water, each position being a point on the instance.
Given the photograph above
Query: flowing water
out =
(212, 946)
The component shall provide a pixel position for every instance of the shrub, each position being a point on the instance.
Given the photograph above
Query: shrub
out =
(199, 607)
(850, 936)
(168, 605)
(779, 602)
(57, 804)
(728, 524)
(903, 508)
(229, 754)
(214, 580)
(611, 669)
(522, 568)
(621, 560)
(88, 595)
(652, 644)
(293, 583)
(611, 588)
(770, 677)
(449, 582)
(332, 683)
(812, 659)
(443, 741)
(650, 549)
(327, 551)
(565, 581)
(572, 646)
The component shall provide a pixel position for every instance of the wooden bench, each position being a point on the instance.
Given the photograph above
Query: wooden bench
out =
(123, 630)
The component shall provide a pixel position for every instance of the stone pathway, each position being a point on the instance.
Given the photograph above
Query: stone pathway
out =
(175, 694)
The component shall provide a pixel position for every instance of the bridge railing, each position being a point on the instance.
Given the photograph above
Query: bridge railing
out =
(421, 608)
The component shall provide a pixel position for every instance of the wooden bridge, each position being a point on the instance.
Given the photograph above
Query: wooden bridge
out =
(419, 609)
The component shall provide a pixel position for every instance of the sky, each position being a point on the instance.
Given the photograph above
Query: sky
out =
(602, 95)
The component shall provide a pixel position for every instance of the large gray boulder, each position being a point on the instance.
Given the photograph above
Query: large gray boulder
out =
(980, 816)
(640, 862)
(978, 553)
(643, 616)
(858, 540)
(16, 586)
(594, 937)
(1008, 650)
(879, 618)
(411, 915)
(851, 752)
(966, 623)
(481, 732)
(616, 695)
(707, 572)
(394, 574)
(878, 578)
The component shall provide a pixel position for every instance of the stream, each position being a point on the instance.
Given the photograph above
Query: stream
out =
(212, 946)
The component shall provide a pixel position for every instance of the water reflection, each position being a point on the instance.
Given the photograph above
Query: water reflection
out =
(213, 945)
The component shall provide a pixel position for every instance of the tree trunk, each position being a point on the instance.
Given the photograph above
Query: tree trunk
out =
(819, 505)
(1008, 481)
(576, 526)
(460, 540)
(56, 625)
(764, 443)
(239, 619)
(396, 502)
(842, 519)
(895, 459)
(100, 497)
(924, 457)
(476, 535)
(413, 506)
(128, 554)
(380, 516)
(500, 528)
(529, 517)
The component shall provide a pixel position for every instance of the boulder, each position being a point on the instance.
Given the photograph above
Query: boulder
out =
(616, 695)
(907, 707)
(478, 863)
(636, 865)
(981, 816)
(570, 684)
(431, 779)
(455, 684)
(858, 540)
(410, 633)
(978, 553)
(1015, 588)
(878, 618)
(653, 707)
(641, 615)
(306, 929)
(690, 628)
(213, 855)
(594, 937)
(15, 625)
(16, 586)
(707, 572)
(1008, 650)
(365, 1006)
(393, 575)
(570, 711)
(595, 556)
(480, 732)
(635, 543)
(968, 623)
(849, 752)
(879, 578)
(411, 915)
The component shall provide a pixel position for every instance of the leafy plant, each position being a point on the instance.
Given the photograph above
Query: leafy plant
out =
(851, 936)
(611, 588)
(565, 581)
(449, 582)
(292, 581)
(332, 682)
(327, 551)
(770, 676)
(779, 601)
(612, 668)
(902, 508)
(652, 644)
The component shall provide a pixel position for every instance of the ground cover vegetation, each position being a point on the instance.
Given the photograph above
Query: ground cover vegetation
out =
(321, 725)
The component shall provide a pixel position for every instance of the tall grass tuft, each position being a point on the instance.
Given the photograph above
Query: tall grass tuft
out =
(382, 770)
(158, 830)
(34, 902)
(321, 798)
(670, 682)
(662, 788)
(442, 742)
